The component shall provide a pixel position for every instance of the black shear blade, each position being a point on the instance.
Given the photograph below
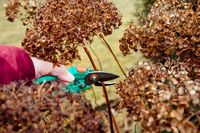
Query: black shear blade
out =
(104, 76)
(100, 76)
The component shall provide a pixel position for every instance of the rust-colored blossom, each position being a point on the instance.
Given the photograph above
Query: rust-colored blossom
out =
(172, 30)
(46, 108)
(58, 27)
(163, 97)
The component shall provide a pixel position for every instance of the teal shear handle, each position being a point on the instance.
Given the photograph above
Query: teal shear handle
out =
(45, 79)
(77, 86)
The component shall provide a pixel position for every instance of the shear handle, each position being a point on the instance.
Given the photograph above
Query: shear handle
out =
(47, 78)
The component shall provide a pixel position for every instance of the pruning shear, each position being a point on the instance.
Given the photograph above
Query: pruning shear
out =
(84, 78)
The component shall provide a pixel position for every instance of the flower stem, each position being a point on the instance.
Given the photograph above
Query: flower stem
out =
(109, 48)
(100, 65)
(104, 88)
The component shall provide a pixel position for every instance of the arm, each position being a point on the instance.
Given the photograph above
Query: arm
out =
(16, 64)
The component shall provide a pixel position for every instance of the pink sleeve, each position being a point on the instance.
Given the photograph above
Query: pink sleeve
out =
(15, 64)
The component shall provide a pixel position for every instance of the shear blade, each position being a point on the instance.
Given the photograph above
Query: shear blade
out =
(105, 83)
(104, 76)
(101, 76)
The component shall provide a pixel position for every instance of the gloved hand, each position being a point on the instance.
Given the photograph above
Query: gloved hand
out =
(43, 68)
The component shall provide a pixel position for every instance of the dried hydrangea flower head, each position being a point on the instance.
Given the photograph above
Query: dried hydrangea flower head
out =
(46, 109)
(58, 27)
(12, 9)
(172, 30)
(163, 97)
(24, 10)
(45, 46)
